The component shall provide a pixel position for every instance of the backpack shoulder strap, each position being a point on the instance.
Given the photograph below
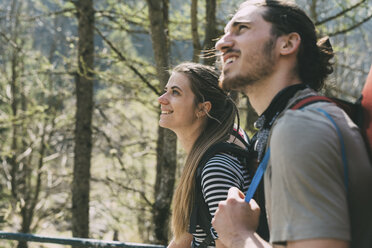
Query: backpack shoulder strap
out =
(200, 211)
(224, 147)
(257, 176)
(359, 112)
(309, 100)
(242, 136)
(263, 165)
(366, 103)
(353, 110)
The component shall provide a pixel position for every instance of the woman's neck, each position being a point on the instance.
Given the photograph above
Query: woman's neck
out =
(187, 138)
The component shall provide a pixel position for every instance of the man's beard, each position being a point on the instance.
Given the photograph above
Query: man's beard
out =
(263, 66)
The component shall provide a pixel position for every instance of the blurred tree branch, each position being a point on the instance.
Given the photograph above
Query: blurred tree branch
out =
(339, 14)
(124, 59)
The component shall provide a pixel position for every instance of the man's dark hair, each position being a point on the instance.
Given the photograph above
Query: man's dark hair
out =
(314, 57)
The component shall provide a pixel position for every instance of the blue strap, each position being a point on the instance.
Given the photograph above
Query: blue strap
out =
(263, 165)
(343, 151)
(257, 176)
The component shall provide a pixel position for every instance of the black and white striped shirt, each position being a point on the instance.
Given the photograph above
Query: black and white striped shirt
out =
(220, 173)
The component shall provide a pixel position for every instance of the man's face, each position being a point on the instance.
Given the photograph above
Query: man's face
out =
(247, 49)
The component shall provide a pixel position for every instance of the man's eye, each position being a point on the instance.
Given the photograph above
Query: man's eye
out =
(242, 27)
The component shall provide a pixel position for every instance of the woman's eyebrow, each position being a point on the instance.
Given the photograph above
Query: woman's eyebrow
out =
(176, 87)
(173, 87)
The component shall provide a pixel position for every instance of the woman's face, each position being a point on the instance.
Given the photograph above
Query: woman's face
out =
(178, 109)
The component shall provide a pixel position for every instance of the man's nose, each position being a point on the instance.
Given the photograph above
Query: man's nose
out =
(224, 43)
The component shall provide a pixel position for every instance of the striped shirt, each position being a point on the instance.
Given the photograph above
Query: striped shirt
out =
(220, 173)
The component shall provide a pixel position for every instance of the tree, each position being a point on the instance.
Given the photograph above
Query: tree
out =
(194, 31)
(19, 175)
(343, 22)
(28, 113)
(84, 110)
(166, 143)
(211, 33)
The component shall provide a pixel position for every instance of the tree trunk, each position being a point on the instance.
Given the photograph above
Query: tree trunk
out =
(194, 31)
(313, 12)
(166, 143)
(19, 168)
(83, 126)
(210, 33)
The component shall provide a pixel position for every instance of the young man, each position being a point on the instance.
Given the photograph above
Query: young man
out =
(270, 52)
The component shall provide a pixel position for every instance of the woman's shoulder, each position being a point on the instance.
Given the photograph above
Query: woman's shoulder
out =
(223, 163)
(223, 171)
(223, 159)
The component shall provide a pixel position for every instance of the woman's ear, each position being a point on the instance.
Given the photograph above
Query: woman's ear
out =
(204, 108)
(290, 43)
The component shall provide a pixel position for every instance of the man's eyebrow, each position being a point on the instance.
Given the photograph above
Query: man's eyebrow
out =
(234, 24)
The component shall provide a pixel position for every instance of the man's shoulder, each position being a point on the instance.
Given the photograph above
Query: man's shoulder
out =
(300, 135)
(307, 121)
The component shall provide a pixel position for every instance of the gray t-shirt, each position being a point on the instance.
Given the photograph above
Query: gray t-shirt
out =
(304, 182)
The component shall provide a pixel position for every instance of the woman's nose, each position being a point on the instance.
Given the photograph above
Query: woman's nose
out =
(163, 99)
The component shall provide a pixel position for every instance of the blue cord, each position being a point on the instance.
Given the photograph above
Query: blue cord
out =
(263, 165)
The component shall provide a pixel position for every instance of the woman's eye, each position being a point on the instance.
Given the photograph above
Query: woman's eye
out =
(175, 92)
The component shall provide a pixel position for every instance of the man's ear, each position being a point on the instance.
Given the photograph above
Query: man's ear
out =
(204, 108)
(290, 43)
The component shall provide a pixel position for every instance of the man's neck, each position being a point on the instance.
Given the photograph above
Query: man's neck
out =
(262, 92)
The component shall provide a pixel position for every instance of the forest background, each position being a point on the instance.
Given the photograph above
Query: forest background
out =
(81, 152)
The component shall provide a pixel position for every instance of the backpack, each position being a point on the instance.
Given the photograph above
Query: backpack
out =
(366, 105)
(361, 114)
(200, 211)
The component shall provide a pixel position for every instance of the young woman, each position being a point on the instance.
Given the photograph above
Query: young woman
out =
(201, 114)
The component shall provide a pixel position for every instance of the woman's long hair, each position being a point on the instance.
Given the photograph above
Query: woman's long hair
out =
(220, 121)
